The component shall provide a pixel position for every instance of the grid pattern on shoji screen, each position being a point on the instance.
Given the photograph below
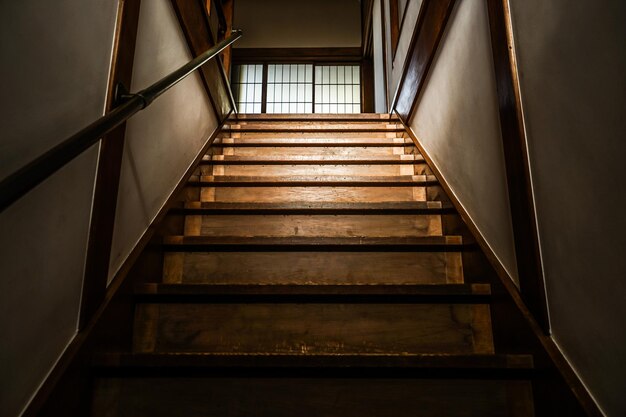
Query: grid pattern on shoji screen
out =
(337, 89)
(289, 88)
(247, 84)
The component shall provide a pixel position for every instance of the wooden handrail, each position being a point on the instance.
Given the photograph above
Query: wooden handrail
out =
(28, 177)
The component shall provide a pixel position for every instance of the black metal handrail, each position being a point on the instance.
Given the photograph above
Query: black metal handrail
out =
(28, 177)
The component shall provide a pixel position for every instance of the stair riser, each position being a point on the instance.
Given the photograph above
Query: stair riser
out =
(313, 268)
(314, 226)
(313, 328)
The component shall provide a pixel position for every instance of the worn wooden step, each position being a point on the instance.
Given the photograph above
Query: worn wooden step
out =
(321, 395)
(313, 267)
(316, 181)
(366, 152)
(313, 128)
(307, 194)
(303, 328)
(314, 243)
(448, 293)
(312, 143)
(425, 365)
(322, 134)
(311, 160)
(285, 170)
(318, 225)
(292, 208)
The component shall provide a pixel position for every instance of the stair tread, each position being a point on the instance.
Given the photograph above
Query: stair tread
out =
(310, 143)
(309, 160)
(324, 128)
(263, 359)
(307, 207)
(188, 243)
(426, 290)
(317, 181)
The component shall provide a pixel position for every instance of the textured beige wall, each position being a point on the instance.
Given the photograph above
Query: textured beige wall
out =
(457, 122)
(163, 140)
(298, 24)
(55, 68)
(572, 61)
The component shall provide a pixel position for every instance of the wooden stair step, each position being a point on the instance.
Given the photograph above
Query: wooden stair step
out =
(311, 193)
(319, 134)
(450, 293)
(431, 365)
(310, 160)
(312, 327)
(310, 143)
(365, 152)
(279, 267)
(328, 128)
(319, 244)
(318, 225)
(415, 207)
(313, 396)
(316, 181)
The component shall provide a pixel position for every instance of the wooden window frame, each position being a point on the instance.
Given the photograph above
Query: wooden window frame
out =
(315, 64)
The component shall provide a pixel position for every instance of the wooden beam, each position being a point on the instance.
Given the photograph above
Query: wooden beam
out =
(289, 55)
(193, 18)
(428, 31)
(109, 168)
(521, 198)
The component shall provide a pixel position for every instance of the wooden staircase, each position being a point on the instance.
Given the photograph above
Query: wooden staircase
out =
(314, 277)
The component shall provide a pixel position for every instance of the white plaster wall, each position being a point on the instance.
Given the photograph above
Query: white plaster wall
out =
(298, 24)
(572, 61)
(55, 69)
(163, 140)
(457, 121)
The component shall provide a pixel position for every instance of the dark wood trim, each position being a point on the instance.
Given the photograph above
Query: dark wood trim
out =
(195, 25)
(295, 55)
(561, 364)
(428, 32)
(77, 349)
(367, 7)
(527, 249)
(109, 169)
(264, 90)
(194, 21)
(394, 26)
(367, 85)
